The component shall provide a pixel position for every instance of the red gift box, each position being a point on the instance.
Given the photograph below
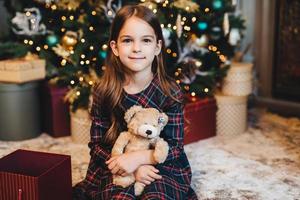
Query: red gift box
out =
(30, 175)
(199, 119)
(56, 118)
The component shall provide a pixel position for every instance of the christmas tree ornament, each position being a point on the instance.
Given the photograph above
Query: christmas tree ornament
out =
(216, 33)
(166, 33)
(102, 54)
(202, 26)
(111, 9)
(52, 40)
(28, 23)
(234, 36)
(226, 24)
(179, 26)
(202, 41)
(69, 40)
(82, 18)
(68, 4)
(61, 51)
(186, 5)
(190, 71)
(217, 4)
(189, 75)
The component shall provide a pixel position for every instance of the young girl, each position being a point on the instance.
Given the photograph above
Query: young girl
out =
(135, 75)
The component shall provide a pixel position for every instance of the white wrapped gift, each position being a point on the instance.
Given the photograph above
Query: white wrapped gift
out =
(22, 70)
(238, 81)
(231, 114)
(80, 126)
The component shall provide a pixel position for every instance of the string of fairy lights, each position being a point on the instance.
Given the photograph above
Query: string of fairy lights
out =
(66, 46)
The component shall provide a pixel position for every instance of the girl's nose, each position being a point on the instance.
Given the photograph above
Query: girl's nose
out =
(136, 47)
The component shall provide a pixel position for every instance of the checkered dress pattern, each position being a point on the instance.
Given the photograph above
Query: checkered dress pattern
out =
(175, 171)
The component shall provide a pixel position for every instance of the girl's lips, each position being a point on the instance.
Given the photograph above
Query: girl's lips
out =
(138, 58)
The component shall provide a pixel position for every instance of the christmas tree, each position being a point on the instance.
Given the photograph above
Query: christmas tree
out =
(72, 35)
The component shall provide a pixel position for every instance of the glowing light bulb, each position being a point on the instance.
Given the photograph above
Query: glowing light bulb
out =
(104, 47)
(63, 62)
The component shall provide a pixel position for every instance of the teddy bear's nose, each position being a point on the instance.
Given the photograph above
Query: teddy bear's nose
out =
(148, 132)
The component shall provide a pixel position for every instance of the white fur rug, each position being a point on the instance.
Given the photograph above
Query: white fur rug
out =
(262, 163)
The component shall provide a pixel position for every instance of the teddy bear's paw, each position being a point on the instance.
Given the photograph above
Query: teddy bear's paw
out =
(161, 151)
(138, 188)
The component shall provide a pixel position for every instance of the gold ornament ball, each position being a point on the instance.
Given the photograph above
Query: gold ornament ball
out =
(69, 40)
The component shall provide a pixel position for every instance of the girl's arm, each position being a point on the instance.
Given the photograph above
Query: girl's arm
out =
(129, 162)
(100, 125)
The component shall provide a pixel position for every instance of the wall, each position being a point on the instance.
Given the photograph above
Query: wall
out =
(247, 9)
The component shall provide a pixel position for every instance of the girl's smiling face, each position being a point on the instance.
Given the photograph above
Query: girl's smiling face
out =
(136, 45)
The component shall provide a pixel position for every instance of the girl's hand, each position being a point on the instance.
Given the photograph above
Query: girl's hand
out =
(123, 164)
(146, 174)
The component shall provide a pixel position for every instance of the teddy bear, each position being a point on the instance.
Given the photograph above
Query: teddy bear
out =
(144, 127)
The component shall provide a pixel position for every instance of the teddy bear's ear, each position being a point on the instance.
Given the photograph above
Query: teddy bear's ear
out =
(162, 120)
(131, 112)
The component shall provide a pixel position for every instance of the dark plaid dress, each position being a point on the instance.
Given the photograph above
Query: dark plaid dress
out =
(175, 171)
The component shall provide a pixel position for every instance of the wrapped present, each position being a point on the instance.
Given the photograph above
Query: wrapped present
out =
(20, 114)
(22, 70)
(199, 119)
(231, 115)
(80, 126)
(30, 175)
(56, 118)
(238, 81)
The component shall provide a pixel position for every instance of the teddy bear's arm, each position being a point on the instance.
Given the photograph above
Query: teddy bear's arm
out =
(161, 150)
(121, 143)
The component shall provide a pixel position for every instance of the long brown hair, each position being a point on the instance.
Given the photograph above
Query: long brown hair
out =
(110, 87)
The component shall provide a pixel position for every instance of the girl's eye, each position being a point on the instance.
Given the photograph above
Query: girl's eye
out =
(147, 40)
(126, 40)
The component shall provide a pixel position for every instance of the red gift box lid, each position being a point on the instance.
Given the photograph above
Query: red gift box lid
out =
(21, 162)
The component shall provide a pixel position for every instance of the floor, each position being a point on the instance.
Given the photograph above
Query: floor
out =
(262, 163)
